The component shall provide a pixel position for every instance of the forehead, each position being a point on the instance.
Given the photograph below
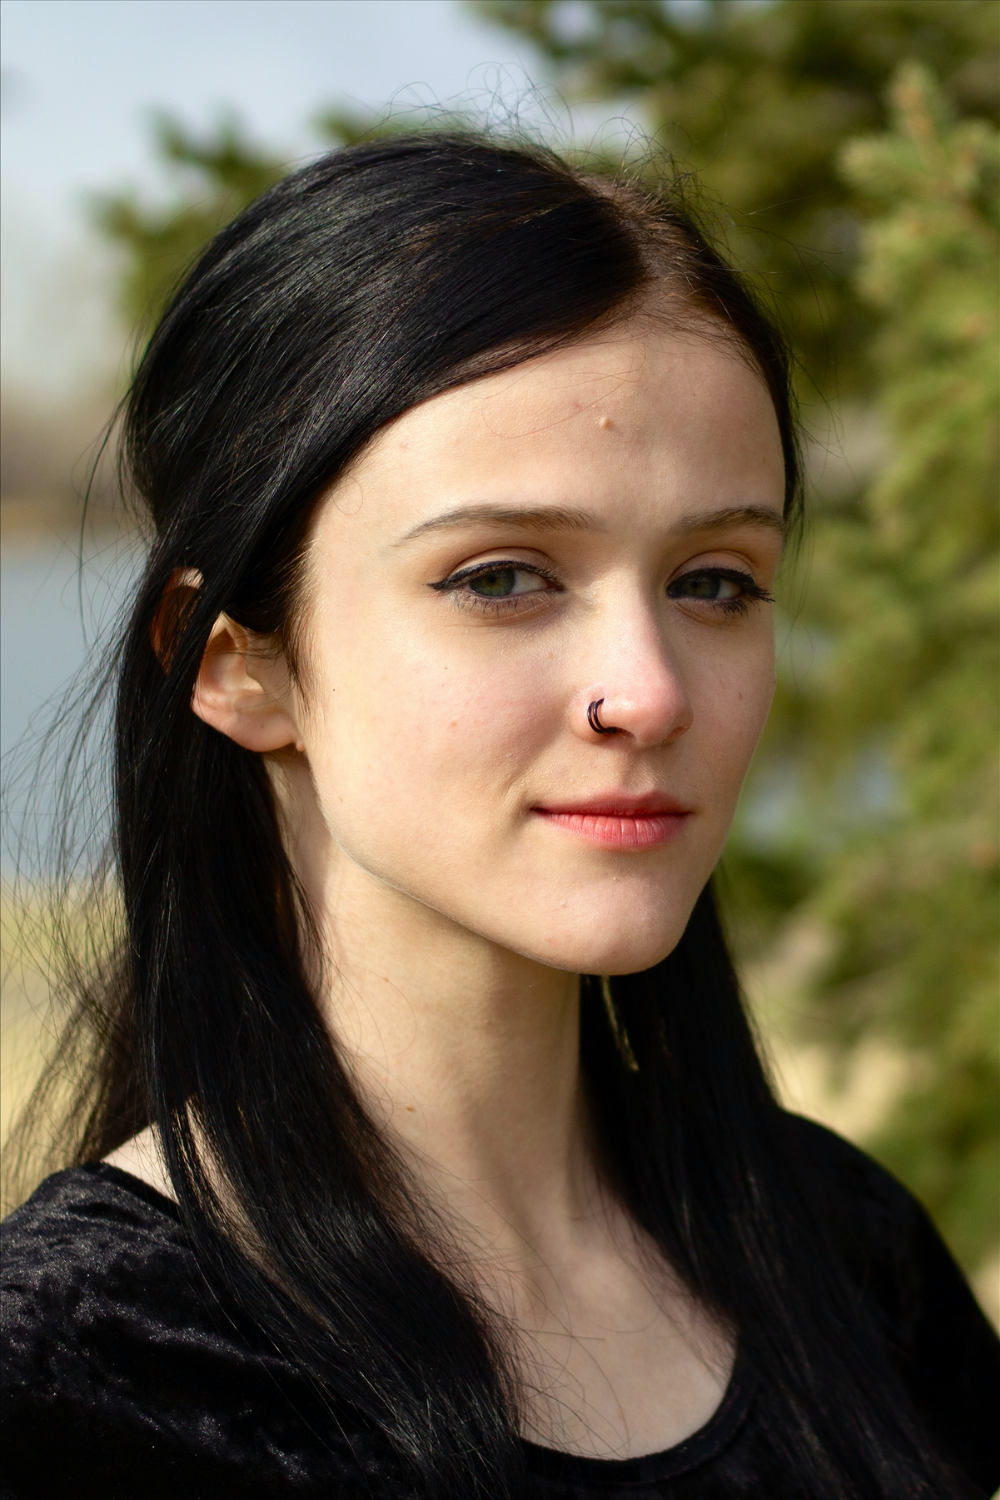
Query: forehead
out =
(636, 410)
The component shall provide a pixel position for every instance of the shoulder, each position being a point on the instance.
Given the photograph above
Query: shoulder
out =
(884, 1236)
(79, 1254)
(124, 1371)
(906, 1279)
(100, 1296)
(78, 1209)
(142, 1157)
(856, 1197)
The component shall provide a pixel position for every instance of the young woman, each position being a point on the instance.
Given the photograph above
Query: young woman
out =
(428, 1153)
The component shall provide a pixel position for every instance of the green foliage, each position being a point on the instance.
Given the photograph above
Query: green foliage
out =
(757, 99)
(213, 180)
(906, 585)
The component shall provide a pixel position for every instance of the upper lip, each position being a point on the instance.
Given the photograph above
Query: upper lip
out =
(618, 805)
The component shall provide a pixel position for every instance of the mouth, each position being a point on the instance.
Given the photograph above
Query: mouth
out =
(619, 821)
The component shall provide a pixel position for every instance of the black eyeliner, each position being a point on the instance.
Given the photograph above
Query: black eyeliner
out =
(751, 588)
(478, 569)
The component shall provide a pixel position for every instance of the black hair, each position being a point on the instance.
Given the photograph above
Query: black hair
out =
(358, 286)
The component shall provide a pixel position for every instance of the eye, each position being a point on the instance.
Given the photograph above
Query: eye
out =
(729, 589)
(503, 581)
(500, 584)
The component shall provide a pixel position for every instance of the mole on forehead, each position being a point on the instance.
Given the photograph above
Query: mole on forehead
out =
(563, 518)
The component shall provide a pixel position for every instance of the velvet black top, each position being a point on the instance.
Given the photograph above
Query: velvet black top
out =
(126, 1375)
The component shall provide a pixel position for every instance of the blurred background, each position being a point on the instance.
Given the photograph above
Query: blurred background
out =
(847, 151)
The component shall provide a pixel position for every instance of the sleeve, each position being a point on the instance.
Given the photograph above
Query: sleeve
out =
(122, 1377)
(954, 1368)
(946, 1350)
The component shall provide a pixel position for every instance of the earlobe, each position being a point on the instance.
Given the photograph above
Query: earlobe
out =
(242, 691)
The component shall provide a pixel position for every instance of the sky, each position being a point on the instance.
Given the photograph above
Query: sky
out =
(80, 78)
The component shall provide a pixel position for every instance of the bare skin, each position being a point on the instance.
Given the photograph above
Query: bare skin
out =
(425, 760)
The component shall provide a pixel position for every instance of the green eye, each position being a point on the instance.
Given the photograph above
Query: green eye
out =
(729, 589)
(706, 586)
(496, 584)
(504, 582)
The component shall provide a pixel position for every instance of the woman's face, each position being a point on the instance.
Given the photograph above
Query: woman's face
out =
(598, 524)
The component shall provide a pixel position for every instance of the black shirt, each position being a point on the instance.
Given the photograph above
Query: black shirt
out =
(125, 1375)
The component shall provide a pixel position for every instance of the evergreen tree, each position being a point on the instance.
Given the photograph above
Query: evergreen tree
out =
(757, 99)
(213, 179)
(905, 587)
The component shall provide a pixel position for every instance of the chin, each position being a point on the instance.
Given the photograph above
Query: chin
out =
(642, 926)
(625, 947)
(621, 926)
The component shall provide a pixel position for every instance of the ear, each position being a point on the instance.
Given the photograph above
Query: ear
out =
(244, 690)
(175, 603)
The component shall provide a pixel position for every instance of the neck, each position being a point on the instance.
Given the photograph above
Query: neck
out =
(470, 1054)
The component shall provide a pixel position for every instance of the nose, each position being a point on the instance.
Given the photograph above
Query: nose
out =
(636, 689)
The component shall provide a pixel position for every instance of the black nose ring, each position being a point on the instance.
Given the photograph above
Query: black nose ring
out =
(594, 720)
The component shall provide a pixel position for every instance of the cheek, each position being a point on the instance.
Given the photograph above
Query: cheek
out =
(729, 683)
(731, 708)
(411, 729)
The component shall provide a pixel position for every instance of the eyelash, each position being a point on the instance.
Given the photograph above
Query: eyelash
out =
(499, 606)
(752, 592)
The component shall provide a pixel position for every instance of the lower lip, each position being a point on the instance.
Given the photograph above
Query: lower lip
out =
(613, 831)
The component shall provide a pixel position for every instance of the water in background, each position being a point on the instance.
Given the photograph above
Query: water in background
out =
(57, 617)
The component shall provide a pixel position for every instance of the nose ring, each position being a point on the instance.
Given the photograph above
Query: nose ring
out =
(594, 719)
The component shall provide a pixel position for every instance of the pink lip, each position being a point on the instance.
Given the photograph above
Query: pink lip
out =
(617, 820)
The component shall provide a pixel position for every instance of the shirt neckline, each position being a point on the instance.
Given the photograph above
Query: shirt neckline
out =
(647, 1468)
(137, 1186)
(650, 1468)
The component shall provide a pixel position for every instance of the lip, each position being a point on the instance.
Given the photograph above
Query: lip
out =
(619, 820)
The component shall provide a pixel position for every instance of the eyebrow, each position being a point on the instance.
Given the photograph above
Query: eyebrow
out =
(563, 518)
(534, 518)
(760, 516)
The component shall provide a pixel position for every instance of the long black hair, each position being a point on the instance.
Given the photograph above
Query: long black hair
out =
(358, 286)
